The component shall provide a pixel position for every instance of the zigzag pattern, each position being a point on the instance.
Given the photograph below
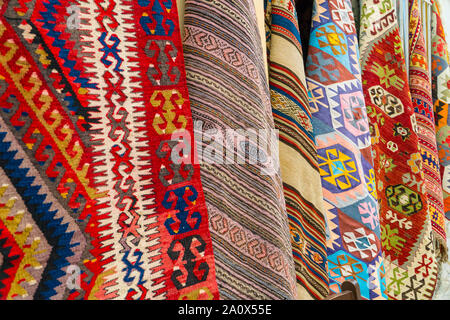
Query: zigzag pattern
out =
(47, 20)
(54, 229)
(30, 242)
(40, 147)
(422, 101)
(79, 145)
(78, 112)
(12, 257)
(51, 121)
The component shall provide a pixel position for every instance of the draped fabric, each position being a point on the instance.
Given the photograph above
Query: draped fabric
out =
(420, 87)
(440, 76)
(180, 8)
(230, 101)
(344, 150)
(261, 22)
(406, 232)
(298, 156)
(94, 203)
(441, 98)
(259, 8)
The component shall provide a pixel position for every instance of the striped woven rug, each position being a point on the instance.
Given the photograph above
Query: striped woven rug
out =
(420, 87)
(298, 155)
(230, 102)
(441, 99)
(440, 79)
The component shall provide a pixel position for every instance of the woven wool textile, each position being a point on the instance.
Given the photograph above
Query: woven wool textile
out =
(408, 251)
(94, 111)
(344, 150)
(298, 156)
(420, 87)
(440, 76)
(441, 98)
(230, 99)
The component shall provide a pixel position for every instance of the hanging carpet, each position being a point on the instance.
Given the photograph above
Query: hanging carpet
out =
(237, 150)
(406, 233)
(95, 202)
(344, 150)
(298, 156)
(420, 87)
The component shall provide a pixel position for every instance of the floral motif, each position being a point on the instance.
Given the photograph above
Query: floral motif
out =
(415, 162)
(401, 131)
(392, 146)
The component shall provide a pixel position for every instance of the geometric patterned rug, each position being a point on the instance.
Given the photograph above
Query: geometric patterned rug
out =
(92, 204)
(408, 250)
(344, 150)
